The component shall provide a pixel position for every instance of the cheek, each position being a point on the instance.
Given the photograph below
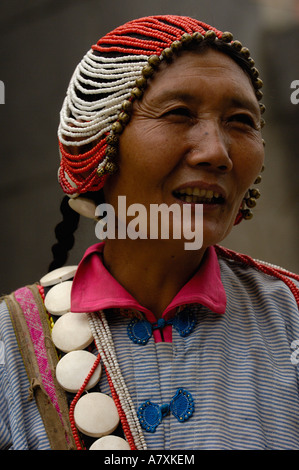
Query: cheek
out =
(249, 164)
(147, 154)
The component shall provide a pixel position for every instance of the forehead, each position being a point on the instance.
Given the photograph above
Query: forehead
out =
(195, 70)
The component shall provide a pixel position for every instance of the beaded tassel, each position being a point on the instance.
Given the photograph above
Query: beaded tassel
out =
(89, 110)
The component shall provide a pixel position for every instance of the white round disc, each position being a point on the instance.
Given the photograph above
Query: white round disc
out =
(96, 415)
(58, 275)
(71, 332)
(110, 443)
(58, 299)
(74, 367)
(84, 206)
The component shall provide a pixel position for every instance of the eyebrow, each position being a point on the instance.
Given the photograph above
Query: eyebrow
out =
(234, 101)
(245, 103)
(169, 95)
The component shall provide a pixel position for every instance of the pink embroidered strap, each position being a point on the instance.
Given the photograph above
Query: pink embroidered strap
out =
(31, 324)
(27, 302)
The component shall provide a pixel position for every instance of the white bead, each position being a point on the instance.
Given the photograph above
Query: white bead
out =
(74, 367)
(83, 206)
(88, 120)
(96, 415)
(110, 443)
(72, 332)
(104, 342)
(58, 275)
(58, 299)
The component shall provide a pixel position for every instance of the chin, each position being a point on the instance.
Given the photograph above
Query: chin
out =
(212, 235)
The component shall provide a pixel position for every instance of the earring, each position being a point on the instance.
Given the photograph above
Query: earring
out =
(83, 206)
(249, 201)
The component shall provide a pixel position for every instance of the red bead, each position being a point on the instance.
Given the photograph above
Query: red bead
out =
(279, 273)
(75, 400)
(41, 291)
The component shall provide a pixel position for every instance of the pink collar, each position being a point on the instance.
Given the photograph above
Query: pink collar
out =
(95, 289)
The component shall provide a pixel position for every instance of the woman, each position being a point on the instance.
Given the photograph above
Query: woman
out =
(197, 347)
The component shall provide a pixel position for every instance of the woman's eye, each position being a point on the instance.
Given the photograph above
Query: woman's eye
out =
(178, 112)
(245, 119)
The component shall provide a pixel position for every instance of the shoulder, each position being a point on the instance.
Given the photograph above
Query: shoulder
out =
(20, 292)
(259, 279)
(25, 327)
(16, 433)
(25, 300)
(13, 304)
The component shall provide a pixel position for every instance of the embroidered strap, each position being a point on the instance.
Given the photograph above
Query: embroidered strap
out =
(31, 325)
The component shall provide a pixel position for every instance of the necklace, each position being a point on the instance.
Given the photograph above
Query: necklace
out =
(104, 342)
(95, 414)
(92, 413)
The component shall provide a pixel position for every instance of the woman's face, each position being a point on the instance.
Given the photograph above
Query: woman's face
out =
(193, 138)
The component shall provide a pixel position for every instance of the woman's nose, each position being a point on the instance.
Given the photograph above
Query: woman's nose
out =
(209, 147)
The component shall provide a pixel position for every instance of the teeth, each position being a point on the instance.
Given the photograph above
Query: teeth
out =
(205, 193)
(197, 195)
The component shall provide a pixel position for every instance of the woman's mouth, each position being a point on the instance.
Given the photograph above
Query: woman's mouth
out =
(198, 196)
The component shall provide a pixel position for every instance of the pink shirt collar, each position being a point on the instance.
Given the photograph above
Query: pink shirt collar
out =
(95, 289)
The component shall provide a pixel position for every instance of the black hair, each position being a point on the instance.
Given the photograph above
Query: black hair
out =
(64, 230)
(64, 233)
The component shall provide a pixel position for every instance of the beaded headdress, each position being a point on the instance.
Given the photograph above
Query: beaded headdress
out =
(113, 74)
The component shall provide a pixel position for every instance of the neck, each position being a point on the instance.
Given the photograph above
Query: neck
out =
(152, 272)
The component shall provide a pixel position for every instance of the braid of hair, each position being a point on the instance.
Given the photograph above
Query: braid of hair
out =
(271, 270)
(64, 233)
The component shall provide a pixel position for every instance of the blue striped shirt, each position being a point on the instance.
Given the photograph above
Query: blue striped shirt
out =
(21, 427)
(237, 367)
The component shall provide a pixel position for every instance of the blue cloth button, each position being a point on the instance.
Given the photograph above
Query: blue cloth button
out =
(182, 405)
(161, 323)
(184, 322)
(151, 414)
(139, 331)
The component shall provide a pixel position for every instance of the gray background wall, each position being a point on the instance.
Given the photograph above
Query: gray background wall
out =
(41, 42)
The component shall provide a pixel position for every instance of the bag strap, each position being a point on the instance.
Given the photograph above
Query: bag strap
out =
(32, 328)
